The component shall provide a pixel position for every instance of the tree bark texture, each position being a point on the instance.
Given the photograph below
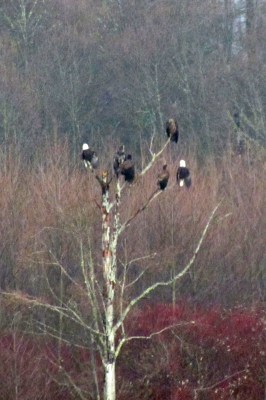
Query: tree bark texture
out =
(109, 273)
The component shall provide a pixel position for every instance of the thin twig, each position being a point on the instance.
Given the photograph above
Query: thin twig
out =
(139, 210)
(220, 382)
(140, 337)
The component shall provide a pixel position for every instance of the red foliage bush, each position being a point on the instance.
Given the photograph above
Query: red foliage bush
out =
(164, 316)
(211, 354)
(204, 354)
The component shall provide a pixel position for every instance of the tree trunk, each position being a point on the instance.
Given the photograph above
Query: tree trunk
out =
(109, 383)
(109, 363)
(109, 273)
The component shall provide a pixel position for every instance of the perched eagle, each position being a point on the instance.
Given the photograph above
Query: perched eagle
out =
(104, 182)
(89, 156)
(119, 158)
(172, 130)
(183, 174)
(163, 177)
(127, 169)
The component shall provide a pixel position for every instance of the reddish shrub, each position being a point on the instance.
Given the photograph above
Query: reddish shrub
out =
(214, 353)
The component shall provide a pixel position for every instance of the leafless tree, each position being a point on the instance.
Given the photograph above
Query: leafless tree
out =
(103, 291)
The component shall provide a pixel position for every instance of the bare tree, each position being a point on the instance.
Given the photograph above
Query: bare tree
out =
(104, 290)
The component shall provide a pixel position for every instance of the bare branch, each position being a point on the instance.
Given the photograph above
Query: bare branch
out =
(151, 143)
(63, 270)
(154, 157)
(151, 288)
(167, 328)
(60, 310)
(150, 199)
(137, 278)
(48, 330)
(137, 259)
(220, 382)
(127, 265)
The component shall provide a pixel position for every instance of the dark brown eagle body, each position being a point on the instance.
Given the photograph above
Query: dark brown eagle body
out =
(163, 178)
(127, 169)
(172, 130)
(183, 175)
(119, 158)
(89, 156)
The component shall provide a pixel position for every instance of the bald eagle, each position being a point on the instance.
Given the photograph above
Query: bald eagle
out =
(119, 158)
(89, 156)
(172, 130)
(127, 169)
(183, 174)
(163, 178)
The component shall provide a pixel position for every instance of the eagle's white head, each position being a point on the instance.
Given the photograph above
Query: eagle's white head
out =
(85, 146)
(182, 163)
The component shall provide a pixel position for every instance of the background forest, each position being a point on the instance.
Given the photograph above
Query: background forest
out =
(111, 72)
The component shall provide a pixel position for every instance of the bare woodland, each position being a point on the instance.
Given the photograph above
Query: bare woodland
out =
(131, 292)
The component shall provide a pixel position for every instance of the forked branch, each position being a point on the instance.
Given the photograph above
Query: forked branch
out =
(154, 156)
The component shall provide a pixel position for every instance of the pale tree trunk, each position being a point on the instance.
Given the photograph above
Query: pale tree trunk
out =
(109, 384)
(109, 361)
(111, 229)
(109, 241)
